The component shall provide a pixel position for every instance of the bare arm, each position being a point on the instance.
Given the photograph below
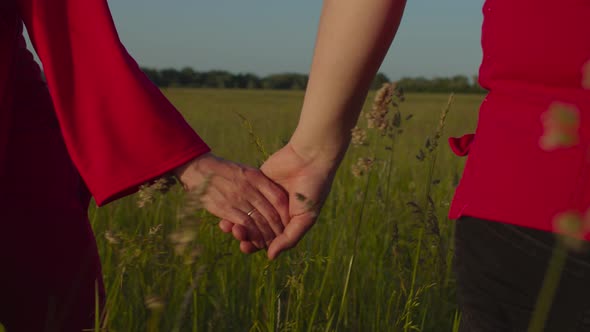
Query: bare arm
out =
(353, 38)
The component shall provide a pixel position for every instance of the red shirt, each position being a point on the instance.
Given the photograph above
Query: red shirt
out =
(120, 131)
(536, 54)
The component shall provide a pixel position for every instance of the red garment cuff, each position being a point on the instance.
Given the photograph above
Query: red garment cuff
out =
(130, 186)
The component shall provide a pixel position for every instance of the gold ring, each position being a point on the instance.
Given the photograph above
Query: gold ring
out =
(251, 212)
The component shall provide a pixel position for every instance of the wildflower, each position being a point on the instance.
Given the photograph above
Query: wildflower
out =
(562, 123)
(359, 136)
(362, 166)
(586, 75)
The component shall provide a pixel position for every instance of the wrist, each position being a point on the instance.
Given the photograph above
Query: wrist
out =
(321, 152)
(185, 173)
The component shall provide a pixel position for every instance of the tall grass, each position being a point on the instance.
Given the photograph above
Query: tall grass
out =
(377, 260)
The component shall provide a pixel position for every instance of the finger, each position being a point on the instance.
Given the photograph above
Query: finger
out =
(240, 233)
(264, 227)
(248, 248)
(272, 218)
(217, 203)
(251, 233)
(293, 233)
(269, 215)
(226, 226)
(239, 195)
(274, 194)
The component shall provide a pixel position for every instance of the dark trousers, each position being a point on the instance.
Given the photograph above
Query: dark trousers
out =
(500, 269)
(49, 264)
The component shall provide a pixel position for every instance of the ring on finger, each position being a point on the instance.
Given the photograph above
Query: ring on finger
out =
(251, 212)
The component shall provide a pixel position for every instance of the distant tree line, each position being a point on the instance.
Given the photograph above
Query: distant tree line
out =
(459, 84)
(220, 79)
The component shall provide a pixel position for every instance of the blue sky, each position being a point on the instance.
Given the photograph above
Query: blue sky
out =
(437, 38)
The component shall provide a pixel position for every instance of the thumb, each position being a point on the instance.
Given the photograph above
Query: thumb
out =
(292, 234)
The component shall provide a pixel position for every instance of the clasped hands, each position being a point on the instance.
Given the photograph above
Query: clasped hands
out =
(268, 208)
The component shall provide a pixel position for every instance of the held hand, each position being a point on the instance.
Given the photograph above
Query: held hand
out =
(240, 194)
(308, 183)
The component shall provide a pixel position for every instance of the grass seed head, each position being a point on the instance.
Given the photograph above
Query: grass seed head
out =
(148, 192)
(111, 237)
(359, 136)
(362, 166)
(561, 127)
(182, 237)
(155, 230)
(570, 225)
(192, 256)
(154, 303)
(146, 196)
(377, 117)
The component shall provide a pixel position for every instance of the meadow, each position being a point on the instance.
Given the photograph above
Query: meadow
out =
(378, 259)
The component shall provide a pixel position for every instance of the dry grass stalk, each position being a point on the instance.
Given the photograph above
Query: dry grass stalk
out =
(149, 192)
(377, 117)
(359, 136)
(362, 166)
(154, 303)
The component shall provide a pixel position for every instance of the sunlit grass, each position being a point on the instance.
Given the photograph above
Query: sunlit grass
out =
(396, 277)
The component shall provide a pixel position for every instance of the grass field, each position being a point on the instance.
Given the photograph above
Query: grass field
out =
(373, 262)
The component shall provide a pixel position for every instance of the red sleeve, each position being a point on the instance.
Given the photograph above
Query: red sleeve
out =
(118, 127)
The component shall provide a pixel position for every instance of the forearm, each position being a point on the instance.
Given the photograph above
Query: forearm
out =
(353, 38)
(120, 133)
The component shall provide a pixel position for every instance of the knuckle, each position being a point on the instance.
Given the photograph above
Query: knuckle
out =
(247, 171)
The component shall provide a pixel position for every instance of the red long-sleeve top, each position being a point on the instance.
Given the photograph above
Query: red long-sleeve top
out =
(536, 59)
(120, 131)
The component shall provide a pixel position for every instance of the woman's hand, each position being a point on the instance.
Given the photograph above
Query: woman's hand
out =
(353, 38)
(238, 193)
(307, 181)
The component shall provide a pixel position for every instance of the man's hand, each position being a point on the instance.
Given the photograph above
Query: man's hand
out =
(240, 194)
(307, 181)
